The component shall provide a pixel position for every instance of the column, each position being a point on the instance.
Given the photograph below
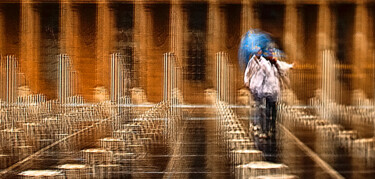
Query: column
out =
(67, 38)
(104, 44)
(177, 35)
(248, 19)
(2, 55)
(2, 32)
(291, 31)
(177, 29)
(86, 60)
(214, 40)
(79, 41)
(67, 29)
(325, 30)
(30, 45)
(360, 40)
(158, 43)
(292, 45)
(141, 34)
(371, 50)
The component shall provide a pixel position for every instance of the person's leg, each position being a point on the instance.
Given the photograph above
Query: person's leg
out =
(271, 115)
(262, 117)
(274, 115)
(257, 117)
(268, 115)
(257, 113)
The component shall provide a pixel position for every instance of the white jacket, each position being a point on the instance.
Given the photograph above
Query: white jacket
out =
(262, 78)
(271, 85)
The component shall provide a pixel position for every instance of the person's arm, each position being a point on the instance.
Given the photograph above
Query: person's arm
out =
(283, 68)
(247, 75)
(249, 70)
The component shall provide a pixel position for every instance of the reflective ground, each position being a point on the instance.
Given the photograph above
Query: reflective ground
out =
(178, 141)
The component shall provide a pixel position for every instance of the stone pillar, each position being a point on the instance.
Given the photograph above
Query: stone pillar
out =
(248, 19)
(360, 46)
(291, 30)
(325, 31)
(214, 40)
(78, 41)
(104, 44)
(293, 45)
(371, 50)
(2, 32)
(67, 29)
(30, 45)
(177, 35)
(141, 34)
(326, 28)
(67, 38)
(177, 29)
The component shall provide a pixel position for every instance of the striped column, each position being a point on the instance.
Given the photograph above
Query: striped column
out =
(67, 82)
(176, 29)
(104, 43)
(171, 83)
(215, 37)
(328, 81)
(325, 48)
(223, 83)
(171, 77)
(30, 44)
(360, 40)
(67, 28)
(68, 44)
(2, 31)
(177, 42)
(141, 34)
(2, 79)
(116, 77)
(11, 79)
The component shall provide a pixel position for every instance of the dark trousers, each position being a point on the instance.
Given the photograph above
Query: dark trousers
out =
(269, 122)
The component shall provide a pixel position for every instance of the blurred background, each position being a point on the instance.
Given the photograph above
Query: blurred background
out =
(152, 89)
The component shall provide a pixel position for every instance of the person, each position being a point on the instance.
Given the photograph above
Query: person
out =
(253, 79)
(264, 76)
(271, 92)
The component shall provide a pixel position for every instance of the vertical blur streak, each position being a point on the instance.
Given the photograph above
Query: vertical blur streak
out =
(11, 79)
(222, 77)
(115, 77)
(66, 79)
(328, 81)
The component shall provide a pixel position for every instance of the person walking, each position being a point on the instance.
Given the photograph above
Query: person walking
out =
(254, 77)
(264, 76)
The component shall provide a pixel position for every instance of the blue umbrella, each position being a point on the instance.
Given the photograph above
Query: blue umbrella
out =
(273, 52)
(251, 43)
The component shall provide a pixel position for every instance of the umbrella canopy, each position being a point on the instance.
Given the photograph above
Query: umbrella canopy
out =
(252, 42)
(273, 54)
